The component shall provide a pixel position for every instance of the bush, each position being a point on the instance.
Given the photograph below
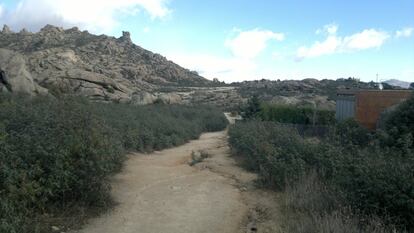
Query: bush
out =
(372, 180)
(146, 128)
(59, 151)
(377, 180)
(252, 109)
(400, 126)
(311, 205)
(276, 152)
(296, 115)
(349, 132)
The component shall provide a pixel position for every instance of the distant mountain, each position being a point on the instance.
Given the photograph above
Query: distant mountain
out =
(398, 83)
(76, 62)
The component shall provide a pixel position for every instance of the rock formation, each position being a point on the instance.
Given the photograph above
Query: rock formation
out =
(14, 76)
(76, 62)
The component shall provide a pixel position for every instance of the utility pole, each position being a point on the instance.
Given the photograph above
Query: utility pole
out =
(380, 86)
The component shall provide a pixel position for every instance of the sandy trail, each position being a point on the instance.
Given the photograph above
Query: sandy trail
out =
(161, 193)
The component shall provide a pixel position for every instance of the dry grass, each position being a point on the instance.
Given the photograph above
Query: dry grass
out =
(311, 207)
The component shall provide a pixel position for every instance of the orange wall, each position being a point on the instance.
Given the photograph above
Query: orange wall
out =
(370, 105)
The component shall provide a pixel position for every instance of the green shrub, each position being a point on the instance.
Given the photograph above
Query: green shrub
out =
(296, 115)
(377, 182)
(372, 180)
(349, 132)
(253, 108)
(59, 151)
(276, 152)
(311, 205)
(400, 126)
(53, 146)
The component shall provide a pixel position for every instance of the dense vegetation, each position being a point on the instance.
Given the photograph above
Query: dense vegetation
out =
(296, 115)
(370, 172)
(288, 113)
(54, 152)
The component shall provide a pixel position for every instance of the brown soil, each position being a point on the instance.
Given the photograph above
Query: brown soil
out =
(160, 192)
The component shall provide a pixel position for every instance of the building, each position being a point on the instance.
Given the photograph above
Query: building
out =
(366, 106)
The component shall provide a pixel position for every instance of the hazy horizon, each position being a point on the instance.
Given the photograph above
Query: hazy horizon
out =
(244, 40)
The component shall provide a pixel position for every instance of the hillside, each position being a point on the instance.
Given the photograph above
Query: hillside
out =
(398, 83)
(103, 68)
(307, 86)
(71, 61)
(307, 92)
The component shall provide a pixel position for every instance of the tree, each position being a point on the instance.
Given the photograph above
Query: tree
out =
(412, 86)
(253, 108)
(400, 124)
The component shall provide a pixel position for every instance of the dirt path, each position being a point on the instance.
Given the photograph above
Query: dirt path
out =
(161, 193)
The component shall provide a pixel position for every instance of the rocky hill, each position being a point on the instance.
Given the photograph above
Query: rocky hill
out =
(398, 83)
(56, 61)
(307, 92)
(101, 68)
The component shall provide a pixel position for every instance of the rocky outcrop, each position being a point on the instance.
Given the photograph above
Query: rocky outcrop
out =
(14, 76)
(76, 62)
(306, 92)
(170, 98)
(6, 30)
(143, 98)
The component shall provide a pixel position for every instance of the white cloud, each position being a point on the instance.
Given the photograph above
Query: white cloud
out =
(94, 15)
(326, 47)
(405, 32)
(249, 44)
(367, 39)
(329, 29)
(228, 69)
(242, 65)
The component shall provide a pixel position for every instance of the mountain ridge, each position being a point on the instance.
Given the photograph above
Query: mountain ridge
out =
(99, 67)
(398, 83)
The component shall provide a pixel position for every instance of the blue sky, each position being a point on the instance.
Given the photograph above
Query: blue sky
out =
(245, 40)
